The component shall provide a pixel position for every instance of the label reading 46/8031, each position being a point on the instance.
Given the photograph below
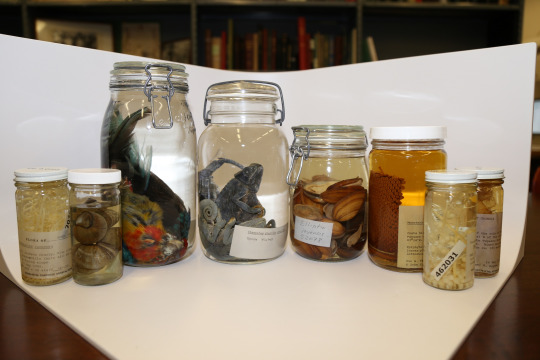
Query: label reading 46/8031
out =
(447, 262)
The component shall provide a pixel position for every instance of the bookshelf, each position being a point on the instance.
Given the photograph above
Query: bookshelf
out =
(263, 35)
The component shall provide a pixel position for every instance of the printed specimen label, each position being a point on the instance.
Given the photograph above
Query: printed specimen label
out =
(258, 243)
(45, 255)
(410, 237)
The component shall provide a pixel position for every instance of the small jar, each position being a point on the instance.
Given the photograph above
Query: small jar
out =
(329, 180)
(96, 226)
(398, 161)
(42, 203)
(450, 229)
(488, 220)
(148, 133)
(243, 161)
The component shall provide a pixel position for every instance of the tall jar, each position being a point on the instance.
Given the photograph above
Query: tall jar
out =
(148, 133)
(96, 226)
(42, 203)
(329, 180)
(243, 161)
(488, 220)
(450, 229)
(399, 158)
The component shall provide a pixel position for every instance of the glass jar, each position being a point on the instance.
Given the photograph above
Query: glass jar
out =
(148, 133)
(488, 220)
(328, 179)
(243, 160)
(398, 161)
(96, 228)
(450, 229)
(42, 203)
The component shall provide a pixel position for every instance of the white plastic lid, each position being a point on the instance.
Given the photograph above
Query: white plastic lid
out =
(94, 176)
(485, 173)
(408, 132)
(451, 176)
(41, 174)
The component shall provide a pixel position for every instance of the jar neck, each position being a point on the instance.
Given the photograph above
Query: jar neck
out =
(432, 144)
(41, 185)
(242, 111)
(90, 187)
(490, 182)
(436, 186)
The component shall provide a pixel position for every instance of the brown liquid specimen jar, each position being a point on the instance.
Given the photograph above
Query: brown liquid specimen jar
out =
(328, 179)
(399, 158)
(489, 220)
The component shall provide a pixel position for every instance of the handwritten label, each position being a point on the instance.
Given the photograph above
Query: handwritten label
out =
(313, 232)
(258, 243)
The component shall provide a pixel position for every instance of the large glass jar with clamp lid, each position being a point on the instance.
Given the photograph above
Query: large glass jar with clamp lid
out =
(149, 134)
(243, 160)
(328, 179)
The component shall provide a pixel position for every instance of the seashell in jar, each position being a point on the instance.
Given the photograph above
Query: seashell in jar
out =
(301, 198)
(347, 208)
(91, 258)
(110, 216)
(307, 250)
(316, 188)
(89, 227)
(357, 181)
(338, 230)
(307, 212)
(355, 237)
(332, 196)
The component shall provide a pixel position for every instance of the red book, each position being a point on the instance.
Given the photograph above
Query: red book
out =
(264, 49)
(224, 49)
(302, 44)
(208, 48)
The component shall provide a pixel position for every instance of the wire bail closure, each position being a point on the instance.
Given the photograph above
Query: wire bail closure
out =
(170, 92)
(298, 152)
(206, 114)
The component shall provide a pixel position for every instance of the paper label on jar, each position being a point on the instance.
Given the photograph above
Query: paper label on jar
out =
(448, 260)
(488, 242)
(312, 232)
(258, 243)
(45, 255)
(410, 237)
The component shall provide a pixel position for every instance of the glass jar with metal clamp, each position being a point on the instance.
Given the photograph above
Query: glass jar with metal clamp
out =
(328, 179)
(149, 134)
(243, 200)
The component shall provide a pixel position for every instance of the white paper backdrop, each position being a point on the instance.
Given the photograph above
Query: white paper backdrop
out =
(53, 98)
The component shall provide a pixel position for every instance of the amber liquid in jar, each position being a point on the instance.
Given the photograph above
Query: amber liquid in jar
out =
(396, 199)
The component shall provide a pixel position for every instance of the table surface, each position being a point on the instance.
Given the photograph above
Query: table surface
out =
(509, 329)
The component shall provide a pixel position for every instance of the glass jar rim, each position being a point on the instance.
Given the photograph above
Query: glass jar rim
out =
(413, 133)
(161, 68)
(322, 137)
(97, 176)
(485, 173)
(451, 176)
(242, 89)
(40, 174)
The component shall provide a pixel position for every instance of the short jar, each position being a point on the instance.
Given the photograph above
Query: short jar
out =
(488, 220)
(450, 229)
(329, 180)
(96, 228)
(397, 162)
(42, 203)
